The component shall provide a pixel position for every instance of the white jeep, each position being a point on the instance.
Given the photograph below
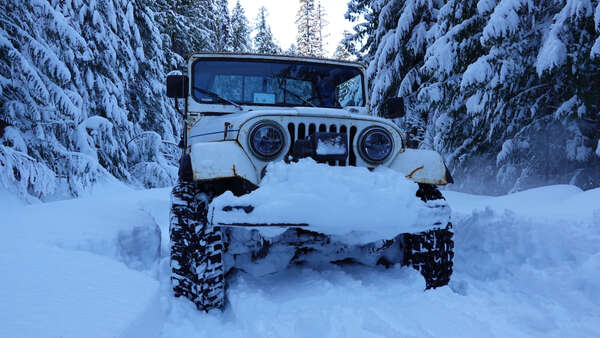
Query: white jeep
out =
(244, 111)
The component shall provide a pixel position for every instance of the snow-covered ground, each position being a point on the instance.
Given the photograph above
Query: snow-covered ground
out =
(526, 265)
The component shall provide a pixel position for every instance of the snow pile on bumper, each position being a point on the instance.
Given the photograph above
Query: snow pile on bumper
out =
(334, 200)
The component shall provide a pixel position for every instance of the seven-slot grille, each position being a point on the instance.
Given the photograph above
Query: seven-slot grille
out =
(300, 131)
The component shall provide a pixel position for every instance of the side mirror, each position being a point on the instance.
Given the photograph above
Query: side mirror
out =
(178, 86)
(394, 108)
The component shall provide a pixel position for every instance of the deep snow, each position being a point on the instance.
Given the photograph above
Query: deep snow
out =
(334, 202)
(526, 265)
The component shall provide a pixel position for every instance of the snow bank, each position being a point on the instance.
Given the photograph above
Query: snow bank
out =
(526, 265)
(79, 268)
(516, 274)
(333, 200)
(545, 204)
(305, 303)
(9, 201)
(538, 250)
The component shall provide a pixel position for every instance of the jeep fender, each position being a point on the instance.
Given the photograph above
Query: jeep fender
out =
(422, 166)
(214, 160)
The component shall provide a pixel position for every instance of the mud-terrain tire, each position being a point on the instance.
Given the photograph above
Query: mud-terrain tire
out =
(431, 252)
(196, 247)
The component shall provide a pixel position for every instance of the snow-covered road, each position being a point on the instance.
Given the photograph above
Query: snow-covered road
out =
(526, 265)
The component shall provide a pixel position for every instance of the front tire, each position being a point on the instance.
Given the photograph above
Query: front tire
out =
(431, 252)
(196, 247)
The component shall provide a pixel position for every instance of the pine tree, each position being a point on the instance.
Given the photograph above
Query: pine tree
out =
(240, 30)
(293, 50)
(320, 24)
(361, 42)
(570, 76)
(508, 86)
(505, 99)
(224, 30)
(401, 38)
(80, 80)
(187, 26)
(458, 31)
(342, 52)
(307, 39)
(263, 41)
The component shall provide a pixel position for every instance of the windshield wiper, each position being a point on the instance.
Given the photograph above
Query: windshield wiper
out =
(219, 97)
(296, 95)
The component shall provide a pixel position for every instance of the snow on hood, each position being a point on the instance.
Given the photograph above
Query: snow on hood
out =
(333, 200)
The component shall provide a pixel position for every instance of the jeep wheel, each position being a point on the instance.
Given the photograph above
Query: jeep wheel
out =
(196, 247)
(431, 252)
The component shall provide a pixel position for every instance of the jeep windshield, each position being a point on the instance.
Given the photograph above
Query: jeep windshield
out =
(277, 83)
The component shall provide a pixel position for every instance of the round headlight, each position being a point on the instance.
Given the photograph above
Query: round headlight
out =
(376, 145)
(266, 140)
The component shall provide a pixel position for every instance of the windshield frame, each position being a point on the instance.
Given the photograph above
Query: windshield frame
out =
(274, 59)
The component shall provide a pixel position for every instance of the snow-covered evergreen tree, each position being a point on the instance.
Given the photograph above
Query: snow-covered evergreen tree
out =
(187, 26)
(449, 130)
(307, 39)
(402, 37)
(341, 52)
(293, 50)
(80, 81)
(361, 42)
(311, 22)
(264, 43)
(224, 29)
(524, 94)
(321, 23)
(240, 30)
(506, 86)
(566, 66)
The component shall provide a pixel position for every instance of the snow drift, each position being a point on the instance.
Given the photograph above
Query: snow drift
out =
(526, 265)
(337, 200)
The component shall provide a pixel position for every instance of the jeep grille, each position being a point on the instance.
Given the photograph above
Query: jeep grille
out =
(299, 131)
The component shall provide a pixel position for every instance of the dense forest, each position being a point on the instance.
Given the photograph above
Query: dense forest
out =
(508, 90)
(82, 94)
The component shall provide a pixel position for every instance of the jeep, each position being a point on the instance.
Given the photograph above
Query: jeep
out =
(241, 113)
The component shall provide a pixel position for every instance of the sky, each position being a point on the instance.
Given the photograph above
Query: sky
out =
(282, 18)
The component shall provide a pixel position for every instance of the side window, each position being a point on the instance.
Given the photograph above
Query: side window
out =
(350, 93)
